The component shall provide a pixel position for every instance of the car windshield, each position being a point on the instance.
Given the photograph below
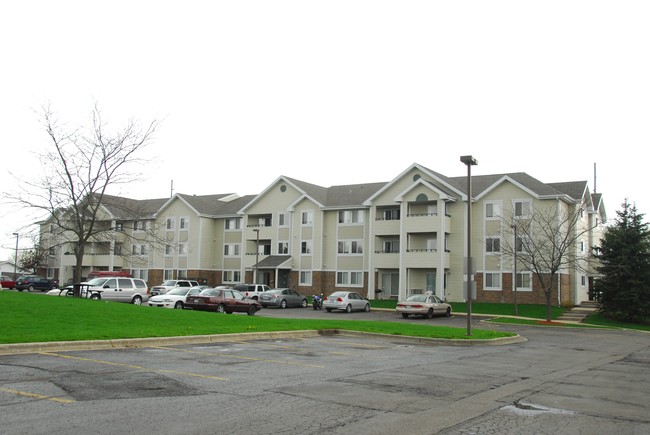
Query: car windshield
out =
(179, 291)
(98, 282)
(169, 282)
(417, 298)
(211, 292)
(276, 290)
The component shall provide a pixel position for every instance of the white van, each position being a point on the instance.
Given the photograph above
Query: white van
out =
(118, 289)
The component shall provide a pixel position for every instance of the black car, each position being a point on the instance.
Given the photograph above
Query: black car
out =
(35, 282)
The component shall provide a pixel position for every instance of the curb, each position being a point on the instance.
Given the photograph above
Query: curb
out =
(60, 346)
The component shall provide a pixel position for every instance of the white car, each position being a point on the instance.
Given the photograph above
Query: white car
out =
(348, 301)
(427, 305)
(170, 284)
(175, 298)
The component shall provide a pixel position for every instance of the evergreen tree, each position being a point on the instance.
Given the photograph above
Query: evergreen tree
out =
(624, 256)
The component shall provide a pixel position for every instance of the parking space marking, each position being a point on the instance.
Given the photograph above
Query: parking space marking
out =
(36, 396)
(248, 358)
(148, 369)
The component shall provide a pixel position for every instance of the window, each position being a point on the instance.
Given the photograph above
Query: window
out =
(307, 217)
(140, 273)
(392, 214)
(231, 276)
(522, 209)
(283, 247)
(117, 249)
(182, 249)
(231, 250)
(181, 274)
(168, 274)
(305, 247)
(351, 217)
(139, 250)
(50, 273)
(305, 277)
(169, 250)
(492, 280)
(493, 244)
(119, 226)
(184, 223)
(283, 220)
(582, 247)
(391, 246)
(51, 251)
(432, 209)
(524, 281)
(492, 210)
(233, 223)
(139, 225)
(170, 224)
(351, 247)
(353, 279)
(583, 280)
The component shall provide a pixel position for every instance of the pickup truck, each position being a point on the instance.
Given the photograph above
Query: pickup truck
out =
(170, 284)
(35, 282)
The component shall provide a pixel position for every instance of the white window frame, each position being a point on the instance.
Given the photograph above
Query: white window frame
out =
(140, 274)
(283, 245)
(529, 276)
(168, 274)
(181, 274)
(525, 203)
(283, 220)
(307, 218)
(233, 224)
(350, 247)
(182, 249)
(170, 224)
(349, 278)
(232, 250)
(489, 245)
(306, 247)
(492, 275)
(232, 276)
(305, 278)
(351, 217)
(496, 212)
(184, 223)
(169, 250)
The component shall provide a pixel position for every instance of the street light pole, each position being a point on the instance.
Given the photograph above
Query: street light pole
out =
(16, 258)
(469, 161)
(257, 254)
(514, 228)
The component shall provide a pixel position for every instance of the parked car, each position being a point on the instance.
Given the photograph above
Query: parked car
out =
(223, 301)
(282, 298)
(62, 291)
(7, 282)
(170, 284)
(426, 305)
(176, 297)
(348, 301)
(252, 291)
(131, 290)
(35, 282)
(106, 273)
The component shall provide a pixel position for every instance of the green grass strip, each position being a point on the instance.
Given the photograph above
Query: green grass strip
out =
(29, 318)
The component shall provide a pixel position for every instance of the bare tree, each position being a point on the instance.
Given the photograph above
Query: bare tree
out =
(545, 242)
(79, 166)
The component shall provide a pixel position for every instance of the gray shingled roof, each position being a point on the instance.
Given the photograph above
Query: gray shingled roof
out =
(575, 189)
(215, 205)
(337, 196)
(482, 182)
(128, 209)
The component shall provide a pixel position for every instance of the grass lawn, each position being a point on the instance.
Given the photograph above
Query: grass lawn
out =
(524, 310)
(29, 318)
(598, 319)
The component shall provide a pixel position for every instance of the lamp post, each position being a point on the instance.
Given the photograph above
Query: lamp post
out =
(514, 228)
(469, 161)
(257, 254)
(16, 257)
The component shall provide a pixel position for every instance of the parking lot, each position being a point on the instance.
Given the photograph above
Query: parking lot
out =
(560, 381)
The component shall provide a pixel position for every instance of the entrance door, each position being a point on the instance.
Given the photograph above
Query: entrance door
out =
(390, 283)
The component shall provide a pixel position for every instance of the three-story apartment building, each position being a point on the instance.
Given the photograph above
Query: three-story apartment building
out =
(400, 237)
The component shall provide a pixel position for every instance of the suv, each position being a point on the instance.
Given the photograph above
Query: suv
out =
(118, 289)
(170, 284)
(35, 282)
(251, 291)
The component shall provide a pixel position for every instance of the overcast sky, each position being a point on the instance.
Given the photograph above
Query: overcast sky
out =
(336, 92)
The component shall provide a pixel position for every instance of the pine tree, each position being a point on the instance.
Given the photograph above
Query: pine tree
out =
(624, 256)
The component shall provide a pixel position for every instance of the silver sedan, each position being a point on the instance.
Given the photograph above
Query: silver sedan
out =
(348, 301)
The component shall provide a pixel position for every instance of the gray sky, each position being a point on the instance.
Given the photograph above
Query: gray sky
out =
(251, 90)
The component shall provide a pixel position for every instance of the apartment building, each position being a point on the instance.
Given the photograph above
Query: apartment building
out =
(384, 240)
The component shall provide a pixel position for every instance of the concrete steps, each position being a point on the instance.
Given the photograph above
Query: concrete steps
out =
(580, 312)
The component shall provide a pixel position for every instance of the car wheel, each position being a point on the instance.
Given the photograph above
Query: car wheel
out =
(430, 313)
(304, 303)
(405, 315)
(348, 309)
(30, 288)
(329, 310)
(283, 304)
(366, 308)
(95, 297)
(178, 305)
(20, 289)
(251, 310)
(221, 308)
(448, 313)
(137, 300)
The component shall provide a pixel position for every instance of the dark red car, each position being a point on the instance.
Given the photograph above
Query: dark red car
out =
(7, 282)
(222, 301)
